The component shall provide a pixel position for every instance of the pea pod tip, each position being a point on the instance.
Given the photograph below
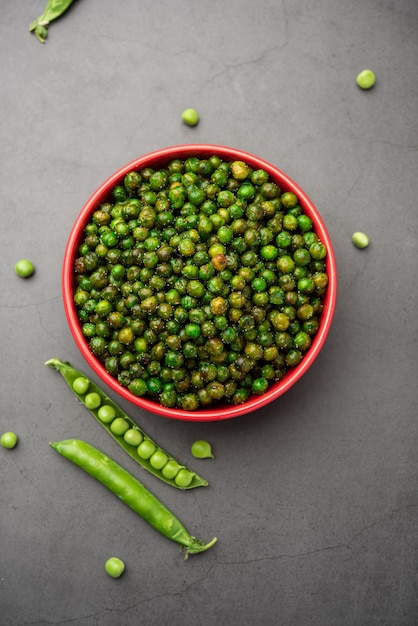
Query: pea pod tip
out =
(196, 546)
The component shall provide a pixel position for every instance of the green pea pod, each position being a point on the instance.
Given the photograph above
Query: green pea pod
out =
(159, 462)
(53, 10)
(130, 491)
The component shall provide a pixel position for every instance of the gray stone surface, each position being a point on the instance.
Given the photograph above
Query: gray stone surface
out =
(314, 498)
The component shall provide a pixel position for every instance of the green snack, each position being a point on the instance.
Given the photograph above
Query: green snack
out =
(53, 10)
(130, 491)
(8, 440)
(366, 79)
(202, 450)
(126, 432)
(24, 268)
(114, 567)
(184, 284)
(360, 240)
(190, 117)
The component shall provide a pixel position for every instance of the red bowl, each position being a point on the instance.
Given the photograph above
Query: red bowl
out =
(159, 159)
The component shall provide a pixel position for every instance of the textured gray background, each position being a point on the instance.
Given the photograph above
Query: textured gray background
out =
(314, 498)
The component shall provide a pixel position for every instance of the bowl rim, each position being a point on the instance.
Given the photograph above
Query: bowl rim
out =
(159, 158)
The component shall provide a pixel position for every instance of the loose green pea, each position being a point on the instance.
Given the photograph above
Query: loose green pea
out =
(24, 268)
(202, 450)
(9, 440)
(171, 469)
(81, 385)
(114, 567)
(366, 79)
(360, 240)
(106, 414)
(190, 117)
(119, 426)
(92, 400)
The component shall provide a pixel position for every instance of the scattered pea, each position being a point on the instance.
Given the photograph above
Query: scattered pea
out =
(92, 400)
(366, 79)
(106, 414)
(114, 567)
(360, 240)
(202, 450)
(24, 268)
(8, 440)
(81, 385)
(190, 117)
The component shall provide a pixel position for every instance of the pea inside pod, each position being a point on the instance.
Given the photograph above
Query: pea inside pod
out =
(126, 432)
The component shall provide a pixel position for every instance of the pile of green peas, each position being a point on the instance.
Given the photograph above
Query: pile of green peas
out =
(199, 283)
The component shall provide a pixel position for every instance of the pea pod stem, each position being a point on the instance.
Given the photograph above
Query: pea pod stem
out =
(133, 493)
(53, 10)
(70, 374)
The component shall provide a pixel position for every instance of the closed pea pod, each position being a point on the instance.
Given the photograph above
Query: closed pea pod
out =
(131, 492)
(125, 431)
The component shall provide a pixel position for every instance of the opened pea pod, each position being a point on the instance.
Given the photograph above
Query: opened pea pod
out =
(126, 432)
